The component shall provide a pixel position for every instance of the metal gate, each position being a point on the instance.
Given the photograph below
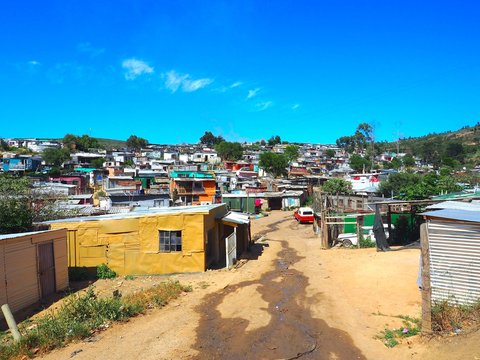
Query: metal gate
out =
(231, 248)
(46, 267)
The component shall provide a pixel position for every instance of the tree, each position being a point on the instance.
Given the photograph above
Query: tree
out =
(274, 140)
(70, 141)
(396, 163)
(80, 143)
(230, 151)
(21, 206)
(273, 163)
(16, 214)
(408, 161)
(359, 163)
(291, 152)
(4, 145)
(211, 140)
(55, 157)
(337, 186)
(136, 143)
(330, 153)
(98, 163)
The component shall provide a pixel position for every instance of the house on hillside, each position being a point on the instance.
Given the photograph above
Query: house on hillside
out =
(160, 241)
(193, 187)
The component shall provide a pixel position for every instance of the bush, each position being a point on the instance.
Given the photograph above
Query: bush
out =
(448, 316)
(367, 242)
(83, 314)
(104, 272)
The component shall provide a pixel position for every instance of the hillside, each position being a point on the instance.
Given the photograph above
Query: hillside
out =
(448, 148)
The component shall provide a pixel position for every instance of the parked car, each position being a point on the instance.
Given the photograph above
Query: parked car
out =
(304, 215)
(351, 239)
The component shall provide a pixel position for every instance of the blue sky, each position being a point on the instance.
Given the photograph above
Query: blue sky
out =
(308, 71)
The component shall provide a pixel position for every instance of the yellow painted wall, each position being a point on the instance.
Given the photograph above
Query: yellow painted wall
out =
(131, 245)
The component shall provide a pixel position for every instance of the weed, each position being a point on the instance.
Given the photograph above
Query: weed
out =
(129, 277)
(390, 337)
(83, 314)
(365, 242)
(447, 315)
(104, 272)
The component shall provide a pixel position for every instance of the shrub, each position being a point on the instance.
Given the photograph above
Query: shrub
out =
(448, 316)
(367, 242)
(83, 314)
(104, 272)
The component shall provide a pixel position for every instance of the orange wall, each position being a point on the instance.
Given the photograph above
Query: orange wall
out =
(210, 189)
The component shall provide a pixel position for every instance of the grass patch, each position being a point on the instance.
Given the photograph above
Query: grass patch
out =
(365, 242)
(82, 315)
(129, 277)
(448, 316)
(104, 272)
(392, 337)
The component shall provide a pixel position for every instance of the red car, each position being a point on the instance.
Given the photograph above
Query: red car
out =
(304, 215)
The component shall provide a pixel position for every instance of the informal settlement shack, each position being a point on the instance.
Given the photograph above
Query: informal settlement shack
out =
(155, 241)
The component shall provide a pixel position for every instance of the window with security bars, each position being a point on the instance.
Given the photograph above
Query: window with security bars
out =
(170, 241)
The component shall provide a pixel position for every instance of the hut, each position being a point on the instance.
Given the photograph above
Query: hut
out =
(33, 266)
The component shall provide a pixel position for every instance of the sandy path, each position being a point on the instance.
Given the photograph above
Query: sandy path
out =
(295, 298)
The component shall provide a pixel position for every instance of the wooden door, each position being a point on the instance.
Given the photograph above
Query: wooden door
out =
(46, 264)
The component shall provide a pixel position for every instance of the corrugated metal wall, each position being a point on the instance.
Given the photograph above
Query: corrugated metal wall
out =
(454, 261)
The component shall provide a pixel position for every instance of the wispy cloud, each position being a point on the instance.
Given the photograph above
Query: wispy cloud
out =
(263, 105)
(295, 106)
(252, 93)
(175, 81)
(33, 63)
(87, 48)
(236, 84)
(134, 68)
(70, 71)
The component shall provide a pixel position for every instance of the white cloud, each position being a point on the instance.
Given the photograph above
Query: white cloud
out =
(252, 93)
(134, 68)
(33, 63)
(194, 85)
(86, 47)
(175, 81)
(295, 106)
(264, 105)
(236, 84)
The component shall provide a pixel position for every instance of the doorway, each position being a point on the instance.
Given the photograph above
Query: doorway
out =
(46, 267)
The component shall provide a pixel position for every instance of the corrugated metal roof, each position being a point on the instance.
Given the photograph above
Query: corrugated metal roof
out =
(455, 205)
(236, 218)
(455, 214)
(143, 212)
(17, 235)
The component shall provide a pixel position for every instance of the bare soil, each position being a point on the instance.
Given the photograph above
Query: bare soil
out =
(290, 300)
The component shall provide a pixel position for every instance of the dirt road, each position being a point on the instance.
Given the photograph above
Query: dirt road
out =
(292, 300)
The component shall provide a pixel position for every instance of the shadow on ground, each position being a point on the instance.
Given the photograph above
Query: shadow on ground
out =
(292, 332)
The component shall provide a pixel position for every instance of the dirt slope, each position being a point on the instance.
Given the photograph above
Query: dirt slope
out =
(292, 300)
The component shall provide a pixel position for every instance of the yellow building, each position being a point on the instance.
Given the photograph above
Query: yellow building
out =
(159, 241)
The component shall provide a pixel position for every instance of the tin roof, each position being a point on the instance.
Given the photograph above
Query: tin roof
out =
(139, 212)
(17, 235)
(454, 214)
